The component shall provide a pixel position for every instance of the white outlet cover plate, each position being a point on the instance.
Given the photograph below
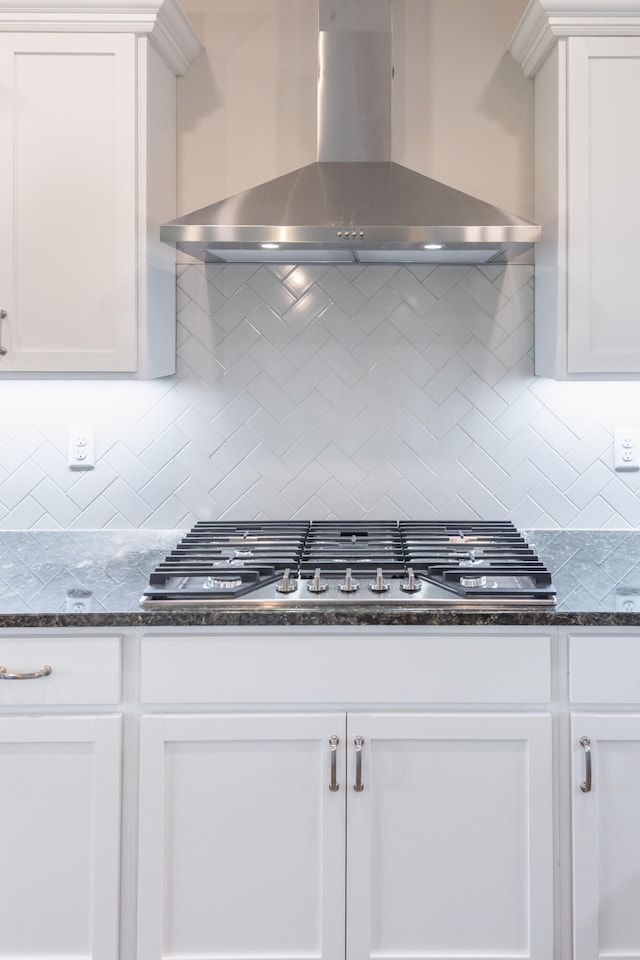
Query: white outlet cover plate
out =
(81, 453)
(626, 448)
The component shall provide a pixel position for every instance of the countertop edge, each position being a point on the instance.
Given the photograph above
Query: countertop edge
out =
(319, 618)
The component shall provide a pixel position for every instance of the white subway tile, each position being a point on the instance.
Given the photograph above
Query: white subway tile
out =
(362, 390)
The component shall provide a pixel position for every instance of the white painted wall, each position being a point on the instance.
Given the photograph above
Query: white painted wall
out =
(246, 107)
(463, 109)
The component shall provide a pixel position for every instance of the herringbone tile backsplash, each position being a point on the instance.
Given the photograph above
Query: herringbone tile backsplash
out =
(319, 392)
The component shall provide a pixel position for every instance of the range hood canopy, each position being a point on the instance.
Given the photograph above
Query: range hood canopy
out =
(354, 204)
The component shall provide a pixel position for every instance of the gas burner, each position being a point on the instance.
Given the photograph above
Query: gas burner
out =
(459, 563)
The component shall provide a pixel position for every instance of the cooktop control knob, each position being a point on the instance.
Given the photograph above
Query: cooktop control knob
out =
(378, 585)
(317, 585)
(411, 585)
(349, 585)
(287, 584)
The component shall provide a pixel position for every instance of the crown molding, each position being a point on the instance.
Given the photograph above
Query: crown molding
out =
(161, 21)
(544, 22)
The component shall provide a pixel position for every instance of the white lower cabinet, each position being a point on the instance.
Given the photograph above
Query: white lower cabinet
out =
(60, 797)
(605, 790)
(449, 846)
(606, 838)
(60, 816)
(241, 840)
(341, 795)
(370, 834)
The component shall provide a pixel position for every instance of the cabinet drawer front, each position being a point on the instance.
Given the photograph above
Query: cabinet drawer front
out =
(250, 667)
(604, 669)
(84, 670)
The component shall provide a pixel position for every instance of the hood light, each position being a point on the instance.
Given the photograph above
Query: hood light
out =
(433, 246)
(270, 246)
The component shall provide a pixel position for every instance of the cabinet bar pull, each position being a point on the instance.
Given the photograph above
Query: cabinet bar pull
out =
(44, 672)
(3, 350)
(334, 785)
(358, 785)
(585, 785)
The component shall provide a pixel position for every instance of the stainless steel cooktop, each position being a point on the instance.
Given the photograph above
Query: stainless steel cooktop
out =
(476, 565)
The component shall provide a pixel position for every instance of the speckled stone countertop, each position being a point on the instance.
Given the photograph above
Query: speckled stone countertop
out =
(46, 576)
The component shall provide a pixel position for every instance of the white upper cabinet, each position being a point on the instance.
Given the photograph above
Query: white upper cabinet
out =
(67, 233)
(87, 174)
(586, 64)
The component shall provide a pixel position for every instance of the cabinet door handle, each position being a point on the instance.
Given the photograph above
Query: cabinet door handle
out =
(585, 785)
(3, 350)
(358, 785)
(43, 672)
(333, 784)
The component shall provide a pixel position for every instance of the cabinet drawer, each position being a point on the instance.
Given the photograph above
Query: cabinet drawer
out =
(604, 669)
(302, 667)
(84, 670)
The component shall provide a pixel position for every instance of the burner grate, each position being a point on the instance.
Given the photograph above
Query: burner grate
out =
(365, 547)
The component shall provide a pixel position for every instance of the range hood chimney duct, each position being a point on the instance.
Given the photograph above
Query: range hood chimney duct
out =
(354, 204)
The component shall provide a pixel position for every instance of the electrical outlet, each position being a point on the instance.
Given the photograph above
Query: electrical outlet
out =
(627, 600)
(82, 448)
(626, 448)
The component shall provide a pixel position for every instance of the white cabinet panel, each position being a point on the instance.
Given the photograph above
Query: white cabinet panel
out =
(241, 839)
(606, 839)
(603, 154)
(604, 668)
(352, 667)
(450, 842)
(60, 810)
(87, 175)
(587, 156)
(68, 202)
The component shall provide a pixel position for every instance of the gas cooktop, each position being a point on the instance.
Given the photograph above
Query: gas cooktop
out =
(476, 564)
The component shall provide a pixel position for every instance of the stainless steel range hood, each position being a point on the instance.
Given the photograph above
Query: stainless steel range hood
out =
(354, 204)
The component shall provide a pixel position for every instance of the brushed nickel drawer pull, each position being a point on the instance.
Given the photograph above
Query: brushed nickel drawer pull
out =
(358, 785)
(334, 785)
(585, 785)
(3, 350)
(44, 672)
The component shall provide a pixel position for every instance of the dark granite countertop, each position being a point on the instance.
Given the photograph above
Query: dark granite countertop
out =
(45, 576)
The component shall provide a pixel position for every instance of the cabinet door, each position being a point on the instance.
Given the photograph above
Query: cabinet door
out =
(449, 843)
(606, 839)
(67, 202)
(241, 838)
(603, 205)
(60, 816)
